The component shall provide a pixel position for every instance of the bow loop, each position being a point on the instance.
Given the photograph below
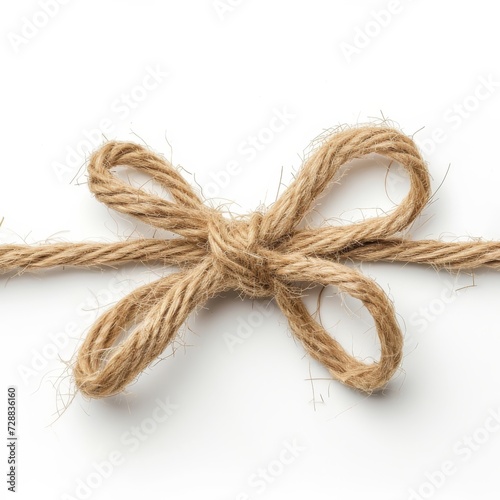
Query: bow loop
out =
(316, 340)
(186, 217)
(323, 167)
(151, 316)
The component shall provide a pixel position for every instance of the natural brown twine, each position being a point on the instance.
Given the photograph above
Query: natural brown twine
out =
(264, 255)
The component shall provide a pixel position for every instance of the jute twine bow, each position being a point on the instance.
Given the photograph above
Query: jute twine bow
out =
(263, 255)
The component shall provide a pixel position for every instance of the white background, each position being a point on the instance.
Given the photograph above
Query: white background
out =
(242, 394)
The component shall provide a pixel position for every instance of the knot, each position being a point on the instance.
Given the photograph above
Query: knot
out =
(262, 255)
(241, 255)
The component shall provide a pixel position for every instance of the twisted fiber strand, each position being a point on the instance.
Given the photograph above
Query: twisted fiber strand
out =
(446, 255)
(452, 256)
(262, 255)
(24, 257)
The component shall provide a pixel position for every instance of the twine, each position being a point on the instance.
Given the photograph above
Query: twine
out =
(262, 255)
